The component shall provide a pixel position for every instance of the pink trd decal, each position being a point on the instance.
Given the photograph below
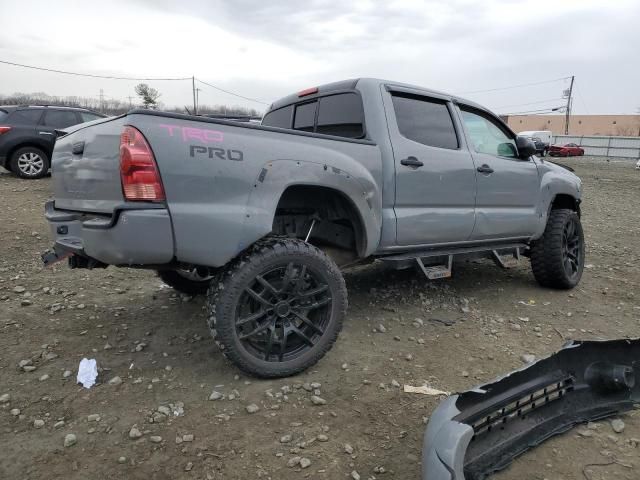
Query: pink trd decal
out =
(188, 133)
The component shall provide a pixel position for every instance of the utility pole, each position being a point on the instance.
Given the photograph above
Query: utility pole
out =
(195, 102)
(130, 101)
(568, 113)
(101, 101)
(198, 96)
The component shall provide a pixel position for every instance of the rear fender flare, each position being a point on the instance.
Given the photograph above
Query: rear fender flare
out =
(276, 176)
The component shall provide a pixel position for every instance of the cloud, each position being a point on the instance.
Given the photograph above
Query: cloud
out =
(268, 49)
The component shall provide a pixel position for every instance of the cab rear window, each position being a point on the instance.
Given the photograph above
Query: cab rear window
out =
(340, 115)
(280, 118)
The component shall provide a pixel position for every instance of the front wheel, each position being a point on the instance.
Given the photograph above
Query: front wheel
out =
(278, 308)
(557, 258)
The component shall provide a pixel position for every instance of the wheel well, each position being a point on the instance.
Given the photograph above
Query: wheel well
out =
(22, 145)
(335, 219)
(564, 201)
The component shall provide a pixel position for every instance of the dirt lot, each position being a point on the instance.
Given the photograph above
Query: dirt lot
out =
(157, 343)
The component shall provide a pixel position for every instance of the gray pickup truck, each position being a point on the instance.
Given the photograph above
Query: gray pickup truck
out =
(263, 217)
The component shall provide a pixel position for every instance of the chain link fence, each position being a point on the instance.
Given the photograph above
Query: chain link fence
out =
(600, 146)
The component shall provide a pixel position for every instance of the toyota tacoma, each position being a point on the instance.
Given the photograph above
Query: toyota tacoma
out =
(263, 217)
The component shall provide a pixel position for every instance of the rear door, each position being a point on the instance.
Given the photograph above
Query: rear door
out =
(508, 187)
(435, 174)
(23, 125)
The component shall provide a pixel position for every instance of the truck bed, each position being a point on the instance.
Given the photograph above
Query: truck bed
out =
(222, 179)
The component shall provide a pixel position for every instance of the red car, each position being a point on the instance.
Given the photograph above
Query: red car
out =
(568, 150)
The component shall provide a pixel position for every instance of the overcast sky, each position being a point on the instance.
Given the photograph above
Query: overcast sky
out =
(266, 49)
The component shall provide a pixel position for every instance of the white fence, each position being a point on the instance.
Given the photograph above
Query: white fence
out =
(599, 146)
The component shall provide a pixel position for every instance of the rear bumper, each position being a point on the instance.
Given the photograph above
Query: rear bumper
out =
(131, 236)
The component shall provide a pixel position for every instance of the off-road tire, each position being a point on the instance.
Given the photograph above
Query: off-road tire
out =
(224, 296)
(183, 284)
(14, 162)
(547, 253)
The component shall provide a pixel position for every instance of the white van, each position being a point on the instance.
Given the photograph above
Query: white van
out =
(544, 135)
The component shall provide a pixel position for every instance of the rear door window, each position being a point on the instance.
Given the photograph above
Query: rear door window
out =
(26, 117)
(341, 115)
(424, 120)
(305, 117)
(60, 118)
(279, 118)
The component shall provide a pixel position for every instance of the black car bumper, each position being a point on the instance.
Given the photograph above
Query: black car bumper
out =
(476, 433)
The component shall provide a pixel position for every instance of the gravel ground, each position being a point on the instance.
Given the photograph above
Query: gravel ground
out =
(167, 405)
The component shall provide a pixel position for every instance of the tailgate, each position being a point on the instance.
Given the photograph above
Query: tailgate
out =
(85, 168)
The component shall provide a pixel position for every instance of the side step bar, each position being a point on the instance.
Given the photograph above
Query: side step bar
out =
(443, 270)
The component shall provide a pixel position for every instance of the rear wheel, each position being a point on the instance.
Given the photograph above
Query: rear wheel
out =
(29, 162)
(557, 258)
(278, 308)
(193, 281)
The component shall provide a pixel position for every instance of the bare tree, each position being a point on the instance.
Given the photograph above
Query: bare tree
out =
(110, 106)
(148, 95)
(625, 130)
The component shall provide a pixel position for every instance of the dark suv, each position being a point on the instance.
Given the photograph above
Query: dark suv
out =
(28, 133)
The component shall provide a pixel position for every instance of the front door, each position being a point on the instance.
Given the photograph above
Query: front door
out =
(508, 187)
(435, 174)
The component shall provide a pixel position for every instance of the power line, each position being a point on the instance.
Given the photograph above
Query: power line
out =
(232, 93)
(584, 104)
(91, 75)
(515, 86)
(111, 77)
(530, 103)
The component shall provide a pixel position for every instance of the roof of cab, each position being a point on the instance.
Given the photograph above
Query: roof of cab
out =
(351, 84)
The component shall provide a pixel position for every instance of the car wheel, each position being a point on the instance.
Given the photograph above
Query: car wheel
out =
(29, 162)
(190, 281)
(543, 153)
(557, 258)
(278, 308)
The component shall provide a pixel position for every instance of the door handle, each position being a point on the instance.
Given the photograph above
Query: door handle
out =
(411, 162)
(45, 133)
(485, 169)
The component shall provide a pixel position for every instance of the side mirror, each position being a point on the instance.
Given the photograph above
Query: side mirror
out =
(526, 147)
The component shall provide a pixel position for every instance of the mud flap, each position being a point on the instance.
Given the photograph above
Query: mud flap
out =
(478, 432)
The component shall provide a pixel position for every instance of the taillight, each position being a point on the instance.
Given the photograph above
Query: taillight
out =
(4, 129)
(138, 170)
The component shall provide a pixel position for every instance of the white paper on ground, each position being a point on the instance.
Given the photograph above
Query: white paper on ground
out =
(87, 372)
